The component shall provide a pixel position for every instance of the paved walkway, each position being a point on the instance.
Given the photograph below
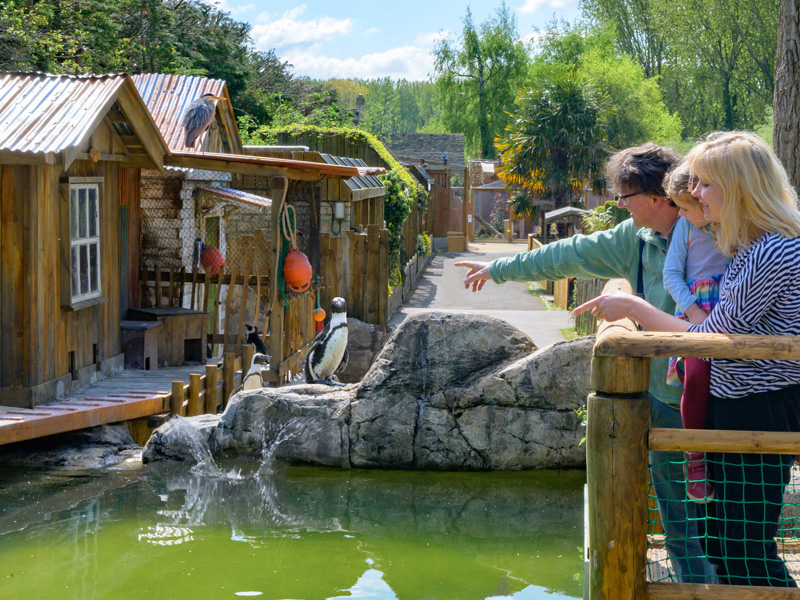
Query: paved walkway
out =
(440, 288)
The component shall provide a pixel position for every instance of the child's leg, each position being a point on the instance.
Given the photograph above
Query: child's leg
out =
(694, 411)
(696, 386)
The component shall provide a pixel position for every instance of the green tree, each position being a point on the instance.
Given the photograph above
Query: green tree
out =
(477, 78)
(557, 141)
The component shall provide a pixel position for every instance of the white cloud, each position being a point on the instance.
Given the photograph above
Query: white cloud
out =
(289, 30)
(225, 6)
(429, 39)
(535, 5)
(405, 62)
(372, 31)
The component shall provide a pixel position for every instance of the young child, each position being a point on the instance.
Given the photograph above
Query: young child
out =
(692, 272)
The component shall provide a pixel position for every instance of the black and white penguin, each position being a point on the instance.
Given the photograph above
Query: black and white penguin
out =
(252, 380)
(253, 337)
(328, 352)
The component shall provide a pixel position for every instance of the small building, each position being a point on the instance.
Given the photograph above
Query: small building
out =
(71, 151)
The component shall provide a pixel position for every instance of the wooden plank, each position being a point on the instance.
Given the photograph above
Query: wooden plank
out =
(192, 303)
(216, 310)
(719, 440)
(258, 299)
(179, 299)
(158, 285)
(228, 371)
(243, 309)
(383, 279)
(697, 591)
(26, 429)
(171, 297)
(371, 290)
(228, 304)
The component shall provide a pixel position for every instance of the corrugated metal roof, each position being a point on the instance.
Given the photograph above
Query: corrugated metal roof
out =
(45, 114)
(354, 183)
(167, 96)
(237, 197)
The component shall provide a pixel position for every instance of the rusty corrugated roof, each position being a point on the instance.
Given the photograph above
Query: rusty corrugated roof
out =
(167, 96)
(46, 114)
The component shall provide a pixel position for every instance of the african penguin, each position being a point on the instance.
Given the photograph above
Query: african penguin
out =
(254, 338)
(328, 352)
(253, 381)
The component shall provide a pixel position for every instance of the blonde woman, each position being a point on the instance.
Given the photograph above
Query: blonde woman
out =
(745, 190)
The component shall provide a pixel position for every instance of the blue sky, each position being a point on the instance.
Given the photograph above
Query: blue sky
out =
(323, 39)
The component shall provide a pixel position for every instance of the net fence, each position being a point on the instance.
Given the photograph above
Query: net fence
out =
(748, 534)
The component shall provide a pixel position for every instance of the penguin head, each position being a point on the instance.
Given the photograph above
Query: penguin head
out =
(338, 305)
(250, 329)
(260, 359)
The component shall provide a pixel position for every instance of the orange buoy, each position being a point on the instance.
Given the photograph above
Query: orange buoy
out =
(319, 317)
(212, 260)
(297, 271)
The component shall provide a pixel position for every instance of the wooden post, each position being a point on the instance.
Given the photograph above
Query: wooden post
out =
(616, 473)
(212, 375)
(176, 398)
(158, 285)
(195, 385)
(276, 302)
(227, 376)
(226, 347)
(247, 357)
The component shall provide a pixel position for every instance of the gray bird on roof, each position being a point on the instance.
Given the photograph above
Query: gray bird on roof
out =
(197, 117)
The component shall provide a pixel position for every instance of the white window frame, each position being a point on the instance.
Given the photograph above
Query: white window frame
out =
(84, 228)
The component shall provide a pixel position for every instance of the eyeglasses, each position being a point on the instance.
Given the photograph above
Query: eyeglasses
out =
(617, 198)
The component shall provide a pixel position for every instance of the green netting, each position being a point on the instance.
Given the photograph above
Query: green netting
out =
(749, 534)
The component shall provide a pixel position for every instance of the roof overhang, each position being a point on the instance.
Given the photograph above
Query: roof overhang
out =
(237, 198)
(567, 211)
(301, 170)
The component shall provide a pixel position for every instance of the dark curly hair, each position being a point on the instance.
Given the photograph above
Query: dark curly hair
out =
(641, 167)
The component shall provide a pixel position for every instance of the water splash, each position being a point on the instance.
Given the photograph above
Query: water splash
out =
(269, 435)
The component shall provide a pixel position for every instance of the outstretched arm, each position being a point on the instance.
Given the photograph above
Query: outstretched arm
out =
(612, 307)
(477, 275)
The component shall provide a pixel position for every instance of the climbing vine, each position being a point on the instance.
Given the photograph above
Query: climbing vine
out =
(402, 190)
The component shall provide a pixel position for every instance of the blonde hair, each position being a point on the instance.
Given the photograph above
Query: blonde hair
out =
(757, 195)
(676, 184)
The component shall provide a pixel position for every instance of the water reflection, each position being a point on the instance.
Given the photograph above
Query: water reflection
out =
(298, 533)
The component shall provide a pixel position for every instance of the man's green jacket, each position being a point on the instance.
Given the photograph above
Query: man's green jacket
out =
(612, 254)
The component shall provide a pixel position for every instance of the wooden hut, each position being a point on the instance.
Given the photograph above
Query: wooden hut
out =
(71, 152)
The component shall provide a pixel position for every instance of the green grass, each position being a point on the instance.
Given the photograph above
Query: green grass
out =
(569, 334)
(537, 289)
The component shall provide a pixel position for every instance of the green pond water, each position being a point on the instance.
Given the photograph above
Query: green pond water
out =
(161, 532)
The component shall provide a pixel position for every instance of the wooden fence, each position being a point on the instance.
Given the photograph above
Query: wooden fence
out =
(585, 290)
(618, 439)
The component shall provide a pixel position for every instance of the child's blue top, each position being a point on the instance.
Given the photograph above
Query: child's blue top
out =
(691, 255)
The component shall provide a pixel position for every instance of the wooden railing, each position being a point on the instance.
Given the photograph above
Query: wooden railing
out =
(618, 438)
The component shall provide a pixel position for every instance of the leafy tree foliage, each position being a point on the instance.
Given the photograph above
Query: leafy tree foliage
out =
(556, 143)
(639, 113)
(477, 78)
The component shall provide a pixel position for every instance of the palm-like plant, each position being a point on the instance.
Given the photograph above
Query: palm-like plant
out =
(556, 144)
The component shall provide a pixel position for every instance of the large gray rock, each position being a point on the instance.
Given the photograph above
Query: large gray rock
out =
(364, 342)
(189, 439)
(456, 392)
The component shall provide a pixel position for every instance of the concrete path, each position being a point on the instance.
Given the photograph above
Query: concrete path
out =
(440, 288)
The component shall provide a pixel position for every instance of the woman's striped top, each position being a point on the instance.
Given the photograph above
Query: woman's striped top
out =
(759, 294)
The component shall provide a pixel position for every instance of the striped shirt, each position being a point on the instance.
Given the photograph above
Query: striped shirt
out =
(759, 294)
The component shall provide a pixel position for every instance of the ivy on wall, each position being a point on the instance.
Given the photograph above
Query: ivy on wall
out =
(402, 190)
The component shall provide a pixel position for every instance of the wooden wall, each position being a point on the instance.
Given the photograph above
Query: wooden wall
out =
(37, 333)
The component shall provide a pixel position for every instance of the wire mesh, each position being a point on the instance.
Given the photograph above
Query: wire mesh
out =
(748, 532)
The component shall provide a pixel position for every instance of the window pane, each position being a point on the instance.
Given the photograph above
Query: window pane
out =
(93, 267)
(84, 270)
(73, 213)
(82, 212)
(92, 212)
(76, 287)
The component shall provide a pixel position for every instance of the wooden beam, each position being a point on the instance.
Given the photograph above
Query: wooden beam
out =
(719, 440)
(697, 591)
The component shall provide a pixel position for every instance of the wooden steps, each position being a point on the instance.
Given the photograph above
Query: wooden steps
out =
(20, 424)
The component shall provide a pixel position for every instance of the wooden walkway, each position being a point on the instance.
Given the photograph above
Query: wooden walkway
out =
(130, 395)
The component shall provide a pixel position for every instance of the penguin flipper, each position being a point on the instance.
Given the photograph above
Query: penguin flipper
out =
(343, 365)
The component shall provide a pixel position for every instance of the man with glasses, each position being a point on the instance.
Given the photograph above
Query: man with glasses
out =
(633, 250)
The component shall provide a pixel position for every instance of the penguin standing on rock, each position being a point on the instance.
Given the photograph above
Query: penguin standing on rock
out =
(328, 353)
(253, 381)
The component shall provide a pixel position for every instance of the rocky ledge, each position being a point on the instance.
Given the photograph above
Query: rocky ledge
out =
(455, 392)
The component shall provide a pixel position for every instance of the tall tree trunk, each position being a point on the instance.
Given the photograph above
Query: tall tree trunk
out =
(786, 102)
(483, 115)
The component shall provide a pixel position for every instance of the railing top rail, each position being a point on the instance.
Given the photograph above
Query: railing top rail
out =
(621, 338)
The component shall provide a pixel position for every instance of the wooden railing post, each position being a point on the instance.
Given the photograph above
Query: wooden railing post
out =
(195, 386)
(176, 398)
(616, 470)
(212, 376)
(228, 371)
